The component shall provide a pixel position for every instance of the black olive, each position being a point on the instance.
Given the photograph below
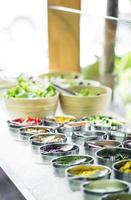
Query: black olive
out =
(81, 83)
(76, 76)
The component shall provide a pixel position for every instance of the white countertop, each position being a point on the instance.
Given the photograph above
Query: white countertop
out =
(24, 167)
(21, 164)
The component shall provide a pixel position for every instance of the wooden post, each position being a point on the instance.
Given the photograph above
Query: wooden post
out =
(109, 45)
(63, 37)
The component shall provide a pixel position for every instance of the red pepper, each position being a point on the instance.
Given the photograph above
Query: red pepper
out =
(28, 121)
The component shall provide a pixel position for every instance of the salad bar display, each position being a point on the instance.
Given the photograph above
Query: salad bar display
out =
(80, 150)
(87, 148)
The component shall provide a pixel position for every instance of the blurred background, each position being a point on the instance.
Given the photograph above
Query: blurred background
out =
(105, 45)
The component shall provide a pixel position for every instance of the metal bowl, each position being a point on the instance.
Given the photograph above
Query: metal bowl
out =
(120, 135)
(105, 123)
(63, 162)
(95, 190)
(92, 146)
(101, 127)
(80, 137)
(124, 196)
(127, 144)
(58, 120)
(79, 174)
(14, 125)
(27, 132)
(69, 128)
(50, 151)
(74, 126)
(124, 174)
(108, 156)
(41, 139)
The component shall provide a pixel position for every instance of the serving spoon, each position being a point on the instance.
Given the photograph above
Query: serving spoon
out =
(75, 162)
(65, 148)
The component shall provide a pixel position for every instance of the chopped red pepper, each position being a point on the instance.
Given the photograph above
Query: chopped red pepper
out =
(28, 121)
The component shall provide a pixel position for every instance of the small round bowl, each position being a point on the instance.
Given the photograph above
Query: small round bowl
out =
(41, 139)
(102, 122)
(124, 196)
(108, 156)
(78, 174)
(16, 124)
(50, 151)
(79, 106)
(27, 132)
(92, 146)
(58, 120)
(127, 144)
(80, 137)
(73, 126)
(120, 135)
(63, 162)
(122, 170)
(97, 189)
(101, 127)
(60, 75)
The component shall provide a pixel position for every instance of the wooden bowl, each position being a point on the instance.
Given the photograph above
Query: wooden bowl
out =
(22, 107)
(79, 106)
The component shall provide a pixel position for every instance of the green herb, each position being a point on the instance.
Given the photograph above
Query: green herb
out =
(67, 160)
(121, 156)
(105, 120)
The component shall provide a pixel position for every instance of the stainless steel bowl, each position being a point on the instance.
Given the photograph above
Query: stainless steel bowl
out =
(126, 173)
(14, 126)
(68, 130)
(80, 137)
(120, 135)
(52, 121)
(95, 190)
(79, 174)
(105, 123)
(41, 139)
(48, 151)
(127, 144)
(92, 146)
(108, 156)
(27, 132)
(124, 196)
(63, 162)
(101, 127)
(74, 126)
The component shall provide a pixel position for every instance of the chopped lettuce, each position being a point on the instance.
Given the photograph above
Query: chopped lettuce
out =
(27, 88)
(87, 92)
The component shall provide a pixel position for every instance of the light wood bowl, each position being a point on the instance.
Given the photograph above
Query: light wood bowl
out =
(23, 107)
(79, 106)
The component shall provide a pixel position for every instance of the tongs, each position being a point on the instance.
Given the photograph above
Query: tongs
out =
(63, 89)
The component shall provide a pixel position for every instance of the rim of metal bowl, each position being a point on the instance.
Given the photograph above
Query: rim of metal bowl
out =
(70, 175)
(54, 160)
(101, 149)
(104, 193)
